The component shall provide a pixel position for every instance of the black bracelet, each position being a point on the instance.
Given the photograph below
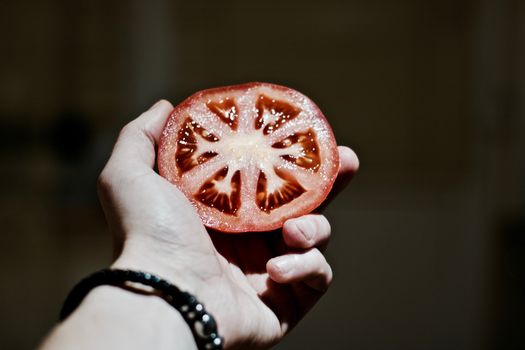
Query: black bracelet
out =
(201, 323)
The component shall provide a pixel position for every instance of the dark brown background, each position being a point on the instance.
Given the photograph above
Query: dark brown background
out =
(430, 94)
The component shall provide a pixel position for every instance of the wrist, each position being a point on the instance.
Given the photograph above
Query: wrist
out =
(111, 317)
(143, 310)
(191, 272)
(143, 255)
(201, 323)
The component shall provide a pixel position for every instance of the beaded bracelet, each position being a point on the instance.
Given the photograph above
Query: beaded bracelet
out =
(201, 323)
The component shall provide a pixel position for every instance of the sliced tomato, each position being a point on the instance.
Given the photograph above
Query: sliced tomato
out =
(249, 156)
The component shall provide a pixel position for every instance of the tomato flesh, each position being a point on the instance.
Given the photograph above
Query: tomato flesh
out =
(249, 156)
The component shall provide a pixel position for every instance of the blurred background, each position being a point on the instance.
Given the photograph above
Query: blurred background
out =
(428, 242)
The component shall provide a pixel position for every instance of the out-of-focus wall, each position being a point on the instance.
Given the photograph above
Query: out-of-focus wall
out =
(429, 94)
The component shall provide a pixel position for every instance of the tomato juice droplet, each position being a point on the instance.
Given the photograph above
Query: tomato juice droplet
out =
(248, 157)
(280, 113)
(226, 110)
(308, 156)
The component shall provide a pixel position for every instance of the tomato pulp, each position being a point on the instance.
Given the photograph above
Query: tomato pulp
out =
(249, 156)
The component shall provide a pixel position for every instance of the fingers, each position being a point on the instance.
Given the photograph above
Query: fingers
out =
(348, 163)
(307, 231)
(136, 142)
(348, 166)
(309, 267)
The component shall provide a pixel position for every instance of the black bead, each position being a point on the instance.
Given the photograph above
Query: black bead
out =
(205, 326)
(195, 313)
(165, 284)
(214, 344)
(187, 302)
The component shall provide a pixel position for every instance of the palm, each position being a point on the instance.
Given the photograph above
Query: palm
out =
(240, 277)
(170, 219)
(242, 257)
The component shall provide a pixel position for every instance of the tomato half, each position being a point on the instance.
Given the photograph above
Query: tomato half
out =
(249, 156)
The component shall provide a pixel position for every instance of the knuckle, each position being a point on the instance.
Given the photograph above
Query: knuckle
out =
(104, 180)
(319, 260)
(126, 129)
(101, 180)
(135, 129)
(317, 257)
(323, 269)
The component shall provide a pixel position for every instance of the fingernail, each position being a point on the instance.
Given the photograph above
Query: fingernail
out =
(283, 264)
(306, 229)
(156, 104)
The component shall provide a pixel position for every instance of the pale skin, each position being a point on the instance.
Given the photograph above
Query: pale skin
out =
(258, 286)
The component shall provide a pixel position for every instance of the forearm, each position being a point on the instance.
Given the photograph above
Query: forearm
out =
(114, 318)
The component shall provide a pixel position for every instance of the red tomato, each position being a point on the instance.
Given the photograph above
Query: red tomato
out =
(249, 156)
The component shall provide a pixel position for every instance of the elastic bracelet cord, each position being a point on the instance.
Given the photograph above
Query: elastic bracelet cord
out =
(201, 323)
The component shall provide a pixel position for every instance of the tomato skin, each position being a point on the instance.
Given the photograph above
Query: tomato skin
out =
(250, 215)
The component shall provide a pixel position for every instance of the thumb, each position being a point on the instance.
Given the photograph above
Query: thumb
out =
(135, 146)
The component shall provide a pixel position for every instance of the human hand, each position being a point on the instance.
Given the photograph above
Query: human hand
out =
(257, 285)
